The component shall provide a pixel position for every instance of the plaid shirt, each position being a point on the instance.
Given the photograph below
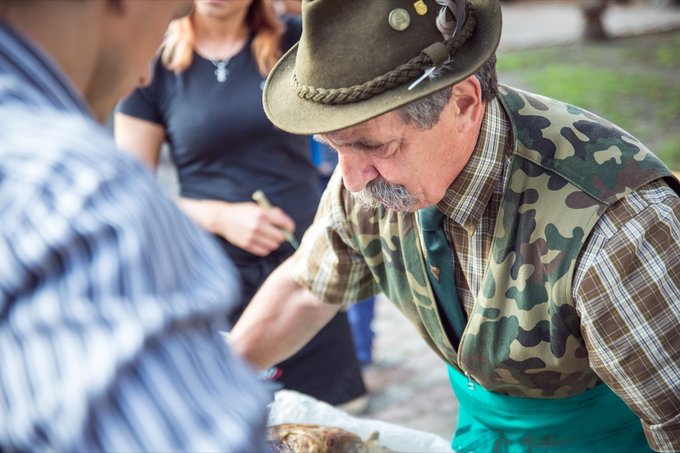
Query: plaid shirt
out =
(626, 283)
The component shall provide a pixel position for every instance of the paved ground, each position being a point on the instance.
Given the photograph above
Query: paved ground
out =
(408, 382)
(542, 23)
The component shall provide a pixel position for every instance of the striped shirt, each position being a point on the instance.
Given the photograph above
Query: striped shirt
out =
(109, 295)
(626, 284)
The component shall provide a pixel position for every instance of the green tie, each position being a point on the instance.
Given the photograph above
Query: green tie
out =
(439, 262)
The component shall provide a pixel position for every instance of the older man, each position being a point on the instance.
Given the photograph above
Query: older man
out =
(107, 292)
(533, 244)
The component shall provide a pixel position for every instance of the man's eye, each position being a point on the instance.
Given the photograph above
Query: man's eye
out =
(383, 151)
(368, 147)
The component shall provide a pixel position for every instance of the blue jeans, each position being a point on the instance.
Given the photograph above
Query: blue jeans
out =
(360, 317)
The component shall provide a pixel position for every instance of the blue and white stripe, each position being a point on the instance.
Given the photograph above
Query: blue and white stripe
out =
(109, 296)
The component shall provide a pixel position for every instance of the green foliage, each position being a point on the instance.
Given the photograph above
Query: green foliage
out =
(668, 151)
(669, 55)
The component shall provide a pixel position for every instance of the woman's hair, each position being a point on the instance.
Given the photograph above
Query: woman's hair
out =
(178, 45)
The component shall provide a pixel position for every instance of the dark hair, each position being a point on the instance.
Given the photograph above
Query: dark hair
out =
(425, 112)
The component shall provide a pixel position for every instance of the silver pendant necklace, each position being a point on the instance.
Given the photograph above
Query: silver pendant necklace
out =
(221, 70)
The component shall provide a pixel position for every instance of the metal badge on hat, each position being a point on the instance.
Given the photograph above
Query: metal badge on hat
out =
(421, 7)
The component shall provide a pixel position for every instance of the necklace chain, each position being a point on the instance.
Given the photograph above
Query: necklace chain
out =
(221, 70)
(221, 66)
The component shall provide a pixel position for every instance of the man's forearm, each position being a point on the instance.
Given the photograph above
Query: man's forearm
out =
(281, 319)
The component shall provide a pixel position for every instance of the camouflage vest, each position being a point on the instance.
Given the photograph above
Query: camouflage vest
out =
(523, 337)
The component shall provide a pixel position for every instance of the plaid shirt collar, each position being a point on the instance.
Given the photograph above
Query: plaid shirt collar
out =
(467, 197)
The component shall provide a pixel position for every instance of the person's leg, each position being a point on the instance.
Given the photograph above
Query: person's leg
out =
(360, 316)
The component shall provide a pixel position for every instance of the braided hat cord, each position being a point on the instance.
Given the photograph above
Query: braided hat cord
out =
(398, 76)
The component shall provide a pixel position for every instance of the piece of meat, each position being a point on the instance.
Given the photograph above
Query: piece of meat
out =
(311, 438)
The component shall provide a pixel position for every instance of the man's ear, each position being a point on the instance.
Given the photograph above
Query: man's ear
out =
(469, 106)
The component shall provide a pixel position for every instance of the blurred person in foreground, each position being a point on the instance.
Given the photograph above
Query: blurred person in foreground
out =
(205, 100)
(108, 292)
(534, 245)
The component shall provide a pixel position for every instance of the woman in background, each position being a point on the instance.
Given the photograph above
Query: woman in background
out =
(205, 101)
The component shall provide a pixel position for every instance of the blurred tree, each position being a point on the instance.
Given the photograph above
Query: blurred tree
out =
(593, 11)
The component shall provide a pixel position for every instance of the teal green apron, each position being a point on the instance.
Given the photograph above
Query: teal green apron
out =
(594, 421)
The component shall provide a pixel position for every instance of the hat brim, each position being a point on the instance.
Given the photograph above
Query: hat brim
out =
(293, 114)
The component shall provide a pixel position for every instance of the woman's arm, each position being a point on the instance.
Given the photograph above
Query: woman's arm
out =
(245, 225)
(141, 138)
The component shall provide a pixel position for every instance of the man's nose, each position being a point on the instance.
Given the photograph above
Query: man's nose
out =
(357, 170)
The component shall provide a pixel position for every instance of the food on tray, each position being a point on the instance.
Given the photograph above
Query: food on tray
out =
(311, 438)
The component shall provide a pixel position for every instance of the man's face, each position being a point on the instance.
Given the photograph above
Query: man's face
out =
(133, 38)
(385, 161)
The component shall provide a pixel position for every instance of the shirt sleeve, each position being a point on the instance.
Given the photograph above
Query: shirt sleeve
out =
(144, 102)
(109, 298)
(628, 296)
(327, 262)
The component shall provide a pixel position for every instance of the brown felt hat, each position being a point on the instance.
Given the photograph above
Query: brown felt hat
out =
(358, 59)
